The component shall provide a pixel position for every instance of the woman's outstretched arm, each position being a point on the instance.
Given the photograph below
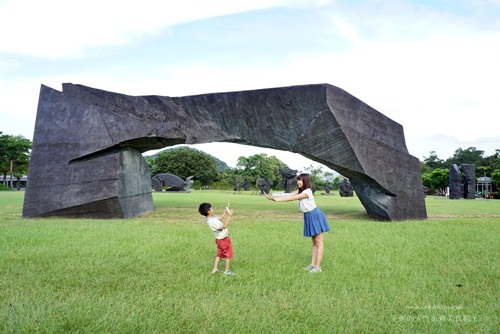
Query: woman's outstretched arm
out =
(286, 198)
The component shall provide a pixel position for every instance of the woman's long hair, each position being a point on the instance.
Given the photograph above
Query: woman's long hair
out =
(306, 181)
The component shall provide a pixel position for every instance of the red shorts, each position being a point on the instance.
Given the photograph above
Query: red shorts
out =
(224, 248)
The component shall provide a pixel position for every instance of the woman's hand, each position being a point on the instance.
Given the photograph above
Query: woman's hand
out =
(270, 197)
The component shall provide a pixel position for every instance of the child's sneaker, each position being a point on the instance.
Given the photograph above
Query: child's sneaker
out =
(215, 271)
(228, 272)
(315, 270)
(309, 267)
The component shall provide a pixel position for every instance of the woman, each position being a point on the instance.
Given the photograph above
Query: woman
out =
(315, 222)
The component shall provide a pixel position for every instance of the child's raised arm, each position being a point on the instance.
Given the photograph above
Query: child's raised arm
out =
(229, 215)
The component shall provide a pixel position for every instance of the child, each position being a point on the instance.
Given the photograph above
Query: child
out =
(315, 222)
(224, 248)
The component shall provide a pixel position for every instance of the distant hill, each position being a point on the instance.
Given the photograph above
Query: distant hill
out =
(221, 165)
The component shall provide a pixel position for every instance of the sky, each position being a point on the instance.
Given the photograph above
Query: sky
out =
(431, 66)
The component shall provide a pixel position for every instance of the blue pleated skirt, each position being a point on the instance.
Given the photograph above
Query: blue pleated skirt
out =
(314, 223)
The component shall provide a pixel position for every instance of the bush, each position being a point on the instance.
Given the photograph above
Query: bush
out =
(2, 187)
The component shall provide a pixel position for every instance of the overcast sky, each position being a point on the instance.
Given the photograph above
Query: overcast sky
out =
(432, 66)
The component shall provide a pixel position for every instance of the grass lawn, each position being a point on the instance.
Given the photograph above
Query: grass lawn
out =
(151, 274)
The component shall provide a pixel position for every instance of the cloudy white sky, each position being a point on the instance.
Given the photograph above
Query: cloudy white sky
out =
(432, 66)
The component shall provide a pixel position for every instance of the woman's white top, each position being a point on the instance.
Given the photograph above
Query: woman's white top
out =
(307, 204)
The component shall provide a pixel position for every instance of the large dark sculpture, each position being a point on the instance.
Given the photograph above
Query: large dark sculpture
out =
(86, 158)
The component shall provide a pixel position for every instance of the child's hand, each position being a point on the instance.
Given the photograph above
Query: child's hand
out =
(229, 211)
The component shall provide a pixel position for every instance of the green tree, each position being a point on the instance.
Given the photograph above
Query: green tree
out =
(493, 160)
(275, 165)
(14, 157)
(259, 166)
(229, 177)
(433, 162)
(332, 180)
(440, 179)
(495, 177)
(336, 182)
(468, 156)
(317, 177)
(424, 169)
(150, 161)
(426, 179)
(185, 162)
(483, 171)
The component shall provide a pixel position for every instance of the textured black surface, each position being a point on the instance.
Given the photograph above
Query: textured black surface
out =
(469, 181)
(456, 188)
(345, 189)
(86, 158)
(170, 182)
(289, 181)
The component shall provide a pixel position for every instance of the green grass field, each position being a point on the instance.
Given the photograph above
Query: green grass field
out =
(151, 274)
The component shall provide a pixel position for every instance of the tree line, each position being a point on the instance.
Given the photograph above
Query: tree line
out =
(211, 172)
(208, 171)
(435, 171)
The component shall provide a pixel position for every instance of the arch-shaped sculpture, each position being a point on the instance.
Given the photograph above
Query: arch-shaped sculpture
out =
(86, 159)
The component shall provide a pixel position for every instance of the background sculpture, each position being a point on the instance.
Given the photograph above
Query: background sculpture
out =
(289, 179)
(345, 189)
(265, 185)
(86, 159)
(171, 182)
(456, 187)
(462, 186)
(469, 181)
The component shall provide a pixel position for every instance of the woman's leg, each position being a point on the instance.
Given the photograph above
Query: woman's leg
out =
(317, 250)
(314, 253)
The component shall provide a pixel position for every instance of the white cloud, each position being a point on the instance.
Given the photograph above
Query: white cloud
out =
(60, 28)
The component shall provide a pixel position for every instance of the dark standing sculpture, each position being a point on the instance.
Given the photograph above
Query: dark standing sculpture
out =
(86, 158)
(345, 189)
(455, 183)
(289, 179)
(265, 185)
(469, 181)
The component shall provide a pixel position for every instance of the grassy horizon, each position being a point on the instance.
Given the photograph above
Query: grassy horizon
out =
(151, 274)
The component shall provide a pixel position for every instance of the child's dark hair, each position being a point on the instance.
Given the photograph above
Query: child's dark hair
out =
(306, 181)
(204, 208)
